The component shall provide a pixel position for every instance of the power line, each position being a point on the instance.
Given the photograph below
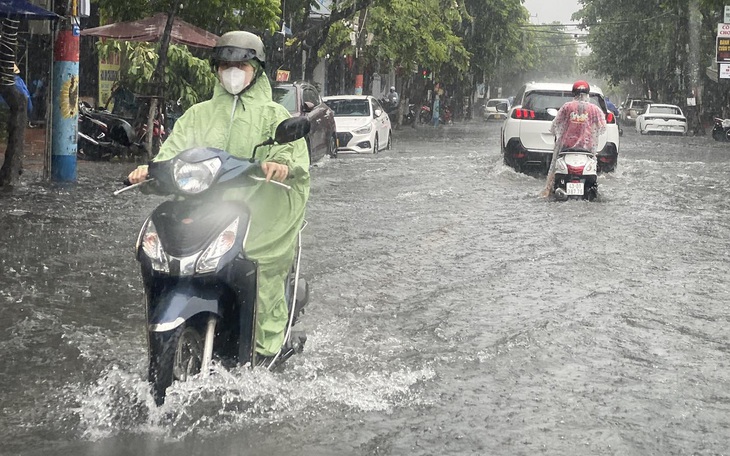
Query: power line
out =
(648, 19)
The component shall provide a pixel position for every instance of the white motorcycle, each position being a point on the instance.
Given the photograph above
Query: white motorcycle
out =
(575, 175)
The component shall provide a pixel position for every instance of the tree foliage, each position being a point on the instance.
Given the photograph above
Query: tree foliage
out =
(186, 77)
(216, 16)
(643, 43)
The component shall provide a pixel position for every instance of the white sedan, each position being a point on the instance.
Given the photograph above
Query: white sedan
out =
(363, 126)
(662, 118)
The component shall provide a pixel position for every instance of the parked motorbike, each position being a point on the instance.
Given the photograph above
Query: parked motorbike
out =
(410, 117)
(424, 114)
(103, 135)
(575, 175)
(199, 283)
(447, 116)
(721, 129)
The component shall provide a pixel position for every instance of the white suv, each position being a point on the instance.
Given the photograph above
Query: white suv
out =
(526, 138)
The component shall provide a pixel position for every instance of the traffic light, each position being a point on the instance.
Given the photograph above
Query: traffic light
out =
(426, 74)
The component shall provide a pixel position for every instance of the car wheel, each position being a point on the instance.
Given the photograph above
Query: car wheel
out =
(727, 135)
(376, 145)
(390, 141)
(332, 147)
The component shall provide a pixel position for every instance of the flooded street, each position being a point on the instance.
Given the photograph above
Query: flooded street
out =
(453, 311)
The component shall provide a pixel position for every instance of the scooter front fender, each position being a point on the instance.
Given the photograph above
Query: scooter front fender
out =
(177, 305)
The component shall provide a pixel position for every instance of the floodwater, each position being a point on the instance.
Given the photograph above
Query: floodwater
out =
(453, 311)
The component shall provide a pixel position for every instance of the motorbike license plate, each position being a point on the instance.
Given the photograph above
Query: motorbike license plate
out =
(574, 188)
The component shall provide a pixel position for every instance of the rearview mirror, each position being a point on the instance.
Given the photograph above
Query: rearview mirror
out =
(292, 129)
(378, 113)
(307, 106)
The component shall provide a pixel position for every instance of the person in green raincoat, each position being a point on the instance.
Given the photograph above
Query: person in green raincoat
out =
(240, 115)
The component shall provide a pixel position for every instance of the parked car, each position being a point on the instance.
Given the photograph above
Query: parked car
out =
(632, 108)
(662, 118)
(496, 108)
(526, 141)
(363, 126)
(303, 99)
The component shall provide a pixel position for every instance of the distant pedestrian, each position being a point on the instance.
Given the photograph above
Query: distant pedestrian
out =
(435, 112)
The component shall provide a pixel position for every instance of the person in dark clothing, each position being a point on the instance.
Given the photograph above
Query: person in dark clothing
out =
(20, 84)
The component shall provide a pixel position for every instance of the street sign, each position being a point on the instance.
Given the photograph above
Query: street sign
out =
(725, 71)
(727, 14)
(723, 30)
(722, 50)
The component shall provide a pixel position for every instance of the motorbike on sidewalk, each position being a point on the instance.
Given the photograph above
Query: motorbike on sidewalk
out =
(200, 286)
(575, 175)
(424, 114)
(410, 117)
(103, 135)
(721, 129)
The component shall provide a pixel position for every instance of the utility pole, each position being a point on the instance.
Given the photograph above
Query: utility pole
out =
(65, 112)
(359, 37)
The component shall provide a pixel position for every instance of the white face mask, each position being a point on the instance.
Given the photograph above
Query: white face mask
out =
(233, 80)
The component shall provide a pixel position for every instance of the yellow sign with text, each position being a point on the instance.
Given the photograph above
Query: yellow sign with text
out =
(108, 76)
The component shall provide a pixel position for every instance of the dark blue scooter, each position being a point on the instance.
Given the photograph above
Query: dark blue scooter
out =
(199, 284)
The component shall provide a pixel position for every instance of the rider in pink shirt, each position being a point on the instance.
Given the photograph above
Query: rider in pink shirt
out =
(579, 122)
(577, 125)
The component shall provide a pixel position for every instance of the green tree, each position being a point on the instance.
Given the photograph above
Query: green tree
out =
(216, 16)
(642, 42)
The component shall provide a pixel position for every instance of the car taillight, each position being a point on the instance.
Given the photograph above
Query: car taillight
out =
(523, 114)
(610, 118)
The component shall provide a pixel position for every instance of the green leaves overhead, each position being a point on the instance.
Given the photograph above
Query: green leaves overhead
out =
(216, 16)
(418, 32)
(186, 76)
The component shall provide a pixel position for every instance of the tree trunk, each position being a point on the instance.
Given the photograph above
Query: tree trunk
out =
(158, 78)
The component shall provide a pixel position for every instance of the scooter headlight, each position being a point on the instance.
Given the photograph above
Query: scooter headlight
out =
(225, 241)
(152, 247)
(196, 177)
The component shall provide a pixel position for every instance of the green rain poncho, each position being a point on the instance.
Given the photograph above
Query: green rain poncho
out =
(236, 125)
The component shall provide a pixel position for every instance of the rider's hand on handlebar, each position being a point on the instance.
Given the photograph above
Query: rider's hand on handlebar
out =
(138, 175)
(275, 171)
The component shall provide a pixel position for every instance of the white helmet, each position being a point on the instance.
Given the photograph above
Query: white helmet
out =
(239, 46)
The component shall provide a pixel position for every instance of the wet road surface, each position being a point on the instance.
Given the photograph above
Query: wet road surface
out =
(453, 311)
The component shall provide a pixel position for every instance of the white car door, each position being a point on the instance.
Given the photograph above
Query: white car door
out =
(382, 123)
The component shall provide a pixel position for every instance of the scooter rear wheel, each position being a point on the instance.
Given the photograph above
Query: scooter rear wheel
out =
(174, 355)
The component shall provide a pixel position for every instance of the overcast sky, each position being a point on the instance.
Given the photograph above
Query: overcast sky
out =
(551, 10)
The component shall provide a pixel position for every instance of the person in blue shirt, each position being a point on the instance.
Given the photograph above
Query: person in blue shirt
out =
(612, 107)
(20, 84)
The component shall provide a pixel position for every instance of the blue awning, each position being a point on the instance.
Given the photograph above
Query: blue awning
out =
(22, 9)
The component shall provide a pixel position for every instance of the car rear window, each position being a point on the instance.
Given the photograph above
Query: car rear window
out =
(664, 110)
(349, 108)
(285, 96)
(540, 101)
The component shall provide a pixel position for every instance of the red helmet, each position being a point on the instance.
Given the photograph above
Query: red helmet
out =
(580, 87)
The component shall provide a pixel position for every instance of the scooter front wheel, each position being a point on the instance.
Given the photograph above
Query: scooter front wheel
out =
(174, 355)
